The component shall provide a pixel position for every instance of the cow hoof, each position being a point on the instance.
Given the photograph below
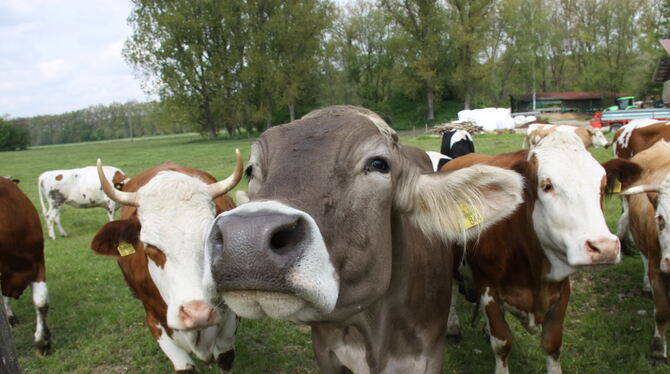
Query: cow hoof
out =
(13, 321)
(187, 371)
(43, 348)
(454, 339)
(225, 360)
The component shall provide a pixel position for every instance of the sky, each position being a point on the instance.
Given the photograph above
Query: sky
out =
(58, 56)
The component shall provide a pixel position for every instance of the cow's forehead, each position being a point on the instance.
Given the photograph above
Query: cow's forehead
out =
(564, 160)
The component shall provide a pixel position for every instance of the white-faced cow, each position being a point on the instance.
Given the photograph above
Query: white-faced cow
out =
(343, 232)
(22, 257)
(159, 242)
(523, 263)
(589, 136)
(79, 188)
(649, 210)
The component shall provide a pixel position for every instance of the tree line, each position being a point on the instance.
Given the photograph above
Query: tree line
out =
(249, 64)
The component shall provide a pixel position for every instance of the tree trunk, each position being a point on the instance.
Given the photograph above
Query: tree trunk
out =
(8, 361)
(466, 100)
(291, 110)
(429, 100)
(211, 131)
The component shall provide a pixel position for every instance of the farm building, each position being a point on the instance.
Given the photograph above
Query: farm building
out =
(662, 73)
(582, 101)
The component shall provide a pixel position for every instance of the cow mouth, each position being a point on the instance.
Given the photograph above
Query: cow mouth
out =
(255, 304)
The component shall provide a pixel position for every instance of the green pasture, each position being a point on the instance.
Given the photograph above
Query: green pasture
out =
(98, 327)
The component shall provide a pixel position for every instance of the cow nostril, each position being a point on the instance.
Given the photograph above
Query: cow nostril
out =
(286, 237)
(592, 247)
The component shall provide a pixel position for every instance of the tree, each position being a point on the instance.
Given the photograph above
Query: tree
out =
(183, 50)
(422, 42)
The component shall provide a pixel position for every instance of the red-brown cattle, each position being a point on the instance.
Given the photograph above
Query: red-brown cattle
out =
(522, 264)
(22, 257)
(159, 242)
(648, 199)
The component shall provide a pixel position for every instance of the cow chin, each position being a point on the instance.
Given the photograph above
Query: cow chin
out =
(259, 304)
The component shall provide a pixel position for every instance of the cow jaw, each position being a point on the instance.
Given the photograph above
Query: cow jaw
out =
(270, 260)
(175, 211)
(567, 215)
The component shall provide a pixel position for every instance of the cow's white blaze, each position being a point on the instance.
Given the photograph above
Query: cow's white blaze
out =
(568, 216)
(662, 217)
(313, 278)
(175, 211)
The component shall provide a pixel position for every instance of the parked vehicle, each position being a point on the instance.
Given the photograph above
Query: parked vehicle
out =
(617, 118)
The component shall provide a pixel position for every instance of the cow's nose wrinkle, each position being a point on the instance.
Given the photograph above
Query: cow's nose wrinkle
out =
(286, 238)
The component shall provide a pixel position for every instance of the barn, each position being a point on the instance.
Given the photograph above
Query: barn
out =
(662, 73)
(580, 101)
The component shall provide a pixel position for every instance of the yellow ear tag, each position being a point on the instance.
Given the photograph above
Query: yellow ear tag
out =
(125, 249)
(617, 187)
(471, 215)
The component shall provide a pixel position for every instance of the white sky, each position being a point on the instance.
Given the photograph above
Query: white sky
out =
(62, 55)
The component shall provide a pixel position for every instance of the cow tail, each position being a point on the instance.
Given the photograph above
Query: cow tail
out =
(39, 193)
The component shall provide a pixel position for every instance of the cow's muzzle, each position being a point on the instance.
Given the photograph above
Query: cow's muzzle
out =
(603, 250)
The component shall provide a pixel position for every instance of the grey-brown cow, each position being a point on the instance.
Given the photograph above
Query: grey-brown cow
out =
(343, 232)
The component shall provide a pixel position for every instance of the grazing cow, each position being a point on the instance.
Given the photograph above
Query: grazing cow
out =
(345, 233)
(648, 200)
(22, 258)
(455, 143)
(158, 243)
(588, 135)
(522, 264)
(79, 188)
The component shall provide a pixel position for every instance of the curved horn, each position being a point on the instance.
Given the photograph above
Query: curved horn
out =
(221, 187)
(641, 189)
(125, 198)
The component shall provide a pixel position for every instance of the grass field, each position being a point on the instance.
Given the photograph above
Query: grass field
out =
(98, 327)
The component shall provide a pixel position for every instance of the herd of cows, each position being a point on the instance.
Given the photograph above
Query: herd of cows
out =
(365, 240)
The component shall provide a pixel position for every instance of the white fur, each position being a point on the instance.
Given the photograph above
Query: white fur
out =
(553, 365)
(570, 215)
(177, 355)
(40, 299)
(80, 188)
(646, 285)
(435, 158)
(496, 344)
(353, 357)
(175, 211)
(458, 136)
(313, 278)
(8, 308)
(453, 323)
(663, 210)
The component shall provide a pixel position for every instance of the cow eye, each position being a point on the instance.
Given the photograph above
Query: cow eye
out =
(546, 186)
(378, 164)
(249, 172)
(660, 221)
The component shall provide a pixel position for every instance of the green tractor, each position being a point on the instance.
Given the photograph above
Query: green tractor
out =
(624, 103)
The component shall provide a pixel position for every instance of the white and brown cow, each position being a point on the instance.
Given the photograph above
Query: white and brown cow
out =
(590, 137)
(648, 200)
(159, 242)
(523, 263)
(22, 258)
(79, 188)
(345, 233)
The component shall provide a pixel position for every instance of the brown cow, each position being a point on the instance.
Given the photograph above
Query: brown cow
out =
(343, 232)
(590, 137)
(522, 264)
(649, 209)
(22, 257)
(158, 243)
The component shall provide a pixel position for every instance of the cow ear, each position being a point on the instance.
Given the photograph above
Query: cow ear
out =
(459, 205)
(112, 235)
(622, 171)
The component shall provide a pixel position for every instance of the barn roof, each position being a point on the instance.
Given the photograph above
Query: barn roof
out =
(579, 95)
(662, 72)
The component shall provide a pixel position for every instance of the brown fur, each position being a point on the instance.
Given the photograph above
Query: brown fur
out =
(583, 133)
(641, 139)
(135, 266)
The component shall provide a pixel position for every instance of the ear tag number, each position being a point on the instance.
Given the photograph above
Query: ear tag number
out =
(125, 249)
(617, 187)
(471, 215)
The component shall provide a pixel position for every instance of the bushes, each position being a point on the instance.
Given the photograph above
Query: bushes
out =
(13, 137)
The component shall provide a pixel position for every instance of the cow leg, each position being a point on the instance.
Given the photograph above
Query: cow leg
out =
(622, 230)
(41, 303)
(500, 335)
(180, 359)
(646, 286)
(225, 343)
(10, 313)
(658, 350)
(453, 323)
(48, 217)
(552, 330)
(58, 224)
